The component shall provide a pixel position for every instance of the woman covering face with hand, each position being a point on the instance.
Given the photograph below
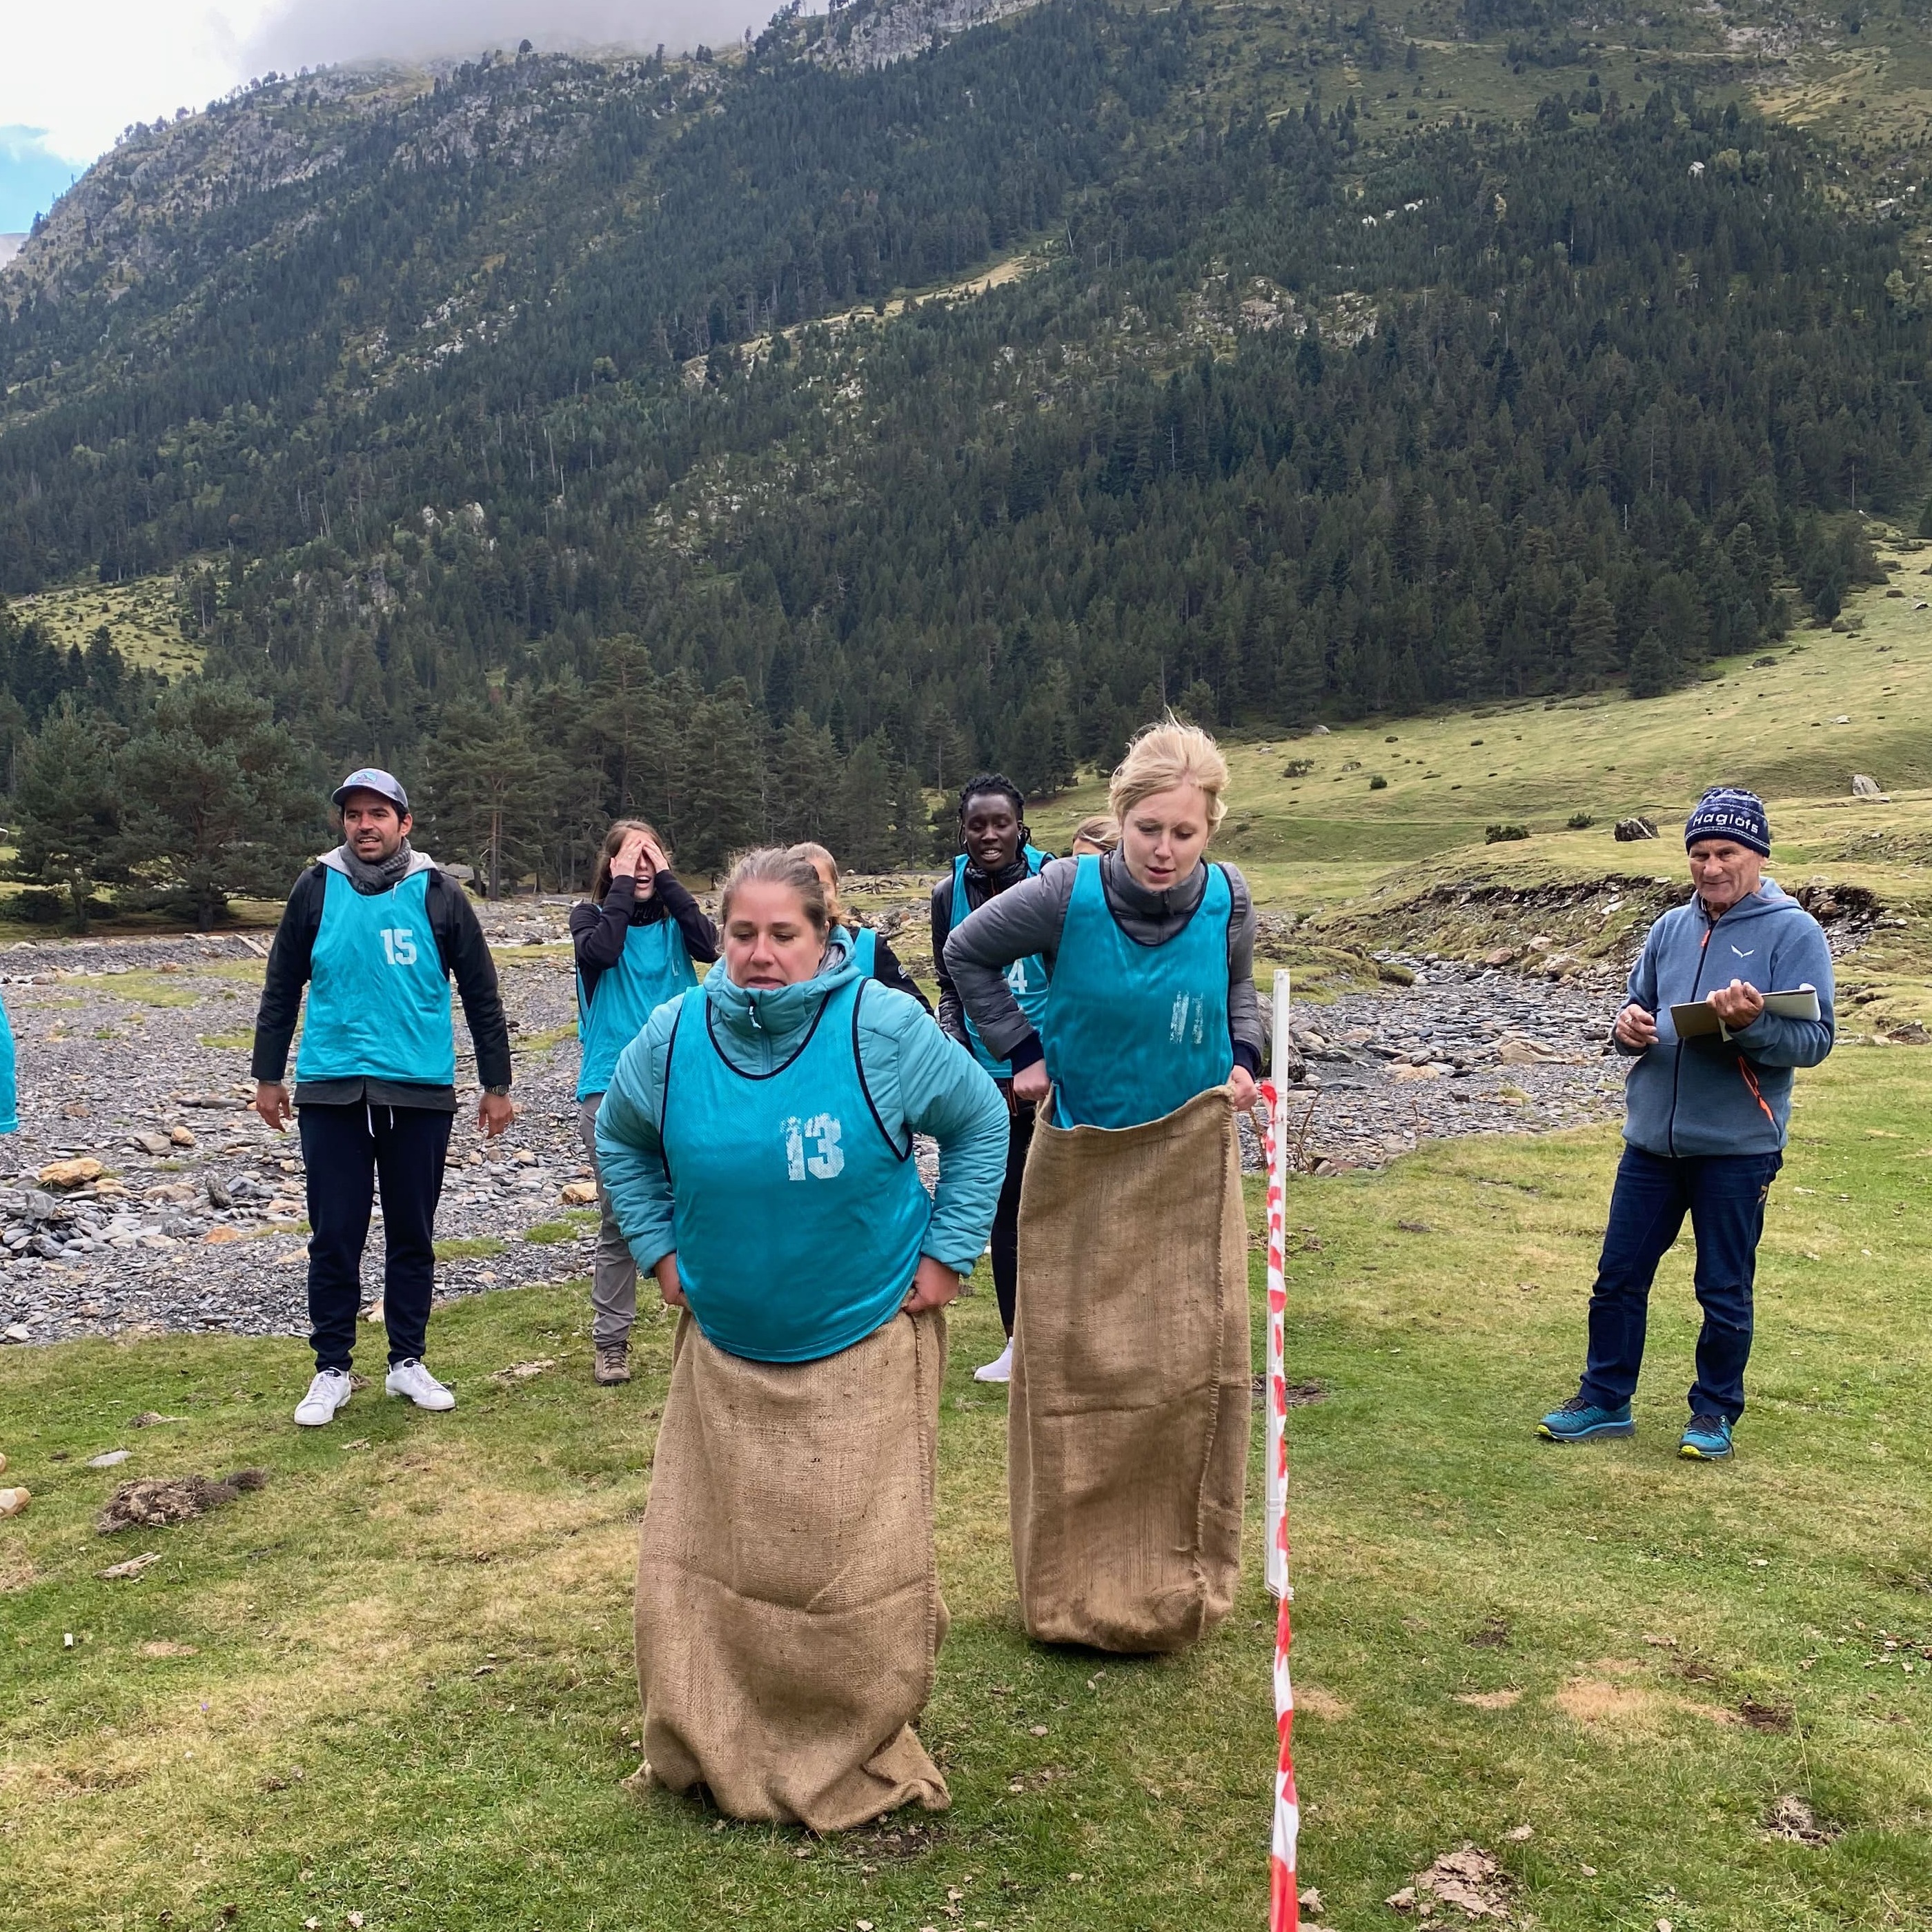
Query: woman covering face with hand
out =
(1128, 1418)
(638, 939)
(756, 1141)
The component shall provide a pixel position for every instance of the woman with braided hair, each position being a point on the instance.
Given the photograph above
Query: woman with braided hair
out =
(997, 853)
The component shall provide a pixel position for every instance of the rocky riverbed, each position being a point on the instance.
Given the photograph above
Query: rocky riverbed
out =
(169, 1207)
(1462, 1051)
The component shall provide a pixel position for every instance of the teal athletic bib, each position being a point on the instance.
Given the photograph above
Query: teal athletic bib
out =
(1133, 1031)
(1026, 977)
(378, 997)
(864, 950)
(797, 1223)
(655, 967)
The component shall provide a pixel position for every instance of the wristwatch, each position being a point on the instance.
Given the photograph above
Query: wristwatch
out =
(499, 1092)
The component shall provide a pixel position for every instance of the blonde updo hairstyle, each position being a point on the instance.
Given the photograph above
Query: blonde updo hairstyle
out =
(816, 856)
(1102, 829)
(1162, 757)
(779, 865)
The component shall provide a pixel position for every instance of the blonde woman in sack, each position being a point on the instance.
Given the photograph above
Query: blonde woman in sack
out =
(1127, 936)
(1127, 1419)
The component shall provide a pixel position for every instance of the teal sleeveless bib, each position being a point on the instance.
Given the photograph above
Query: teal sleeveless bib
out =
(1026, 977)
(655, 967)
(797, 1221)
(378, 997)
(1133, 1031)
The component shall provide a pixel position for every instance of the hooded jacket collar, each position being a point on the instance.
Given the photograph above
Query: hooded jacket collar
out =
(760, 1027)
(1770, 898)
(371, 879)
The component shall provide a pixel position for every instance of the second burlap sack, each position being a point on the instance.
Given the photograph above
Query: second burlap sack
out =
(1127, 1433)
(788, 1611)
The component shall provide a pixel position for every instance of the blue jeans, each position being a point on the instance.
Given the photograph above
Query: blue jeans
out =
(1724, 1195)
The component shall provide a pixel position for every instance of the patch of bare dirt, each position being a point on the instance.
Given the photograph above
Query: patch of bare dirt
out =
(1791, 1819)
(1489, 1700)
(1467, 1880)
(156, 1501)
(1312, 1701)
(1630, 1710)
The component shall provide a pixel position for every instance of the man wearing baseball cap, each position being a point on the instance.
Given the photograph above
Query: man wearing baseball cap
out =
(376, 931)
(1705, 1119)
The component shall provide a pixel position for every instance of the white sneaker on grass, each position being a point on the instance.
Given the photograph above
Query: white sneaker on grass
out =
(326, 1394)
(999, 1369)
(411, 1379)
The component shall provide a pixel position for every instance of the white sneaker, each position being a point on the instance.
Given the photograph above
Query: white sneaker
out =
(1000, 1369)
(411, 1379)
(326, 1394)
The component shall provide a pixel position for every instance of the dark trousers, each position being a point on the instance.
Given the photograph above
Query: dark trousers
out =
(1724, 1195)
(347, 1149)
(1006, 1237)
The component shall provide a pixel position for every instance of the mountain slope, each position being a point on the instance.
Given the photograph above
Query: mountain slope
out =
(546, 386)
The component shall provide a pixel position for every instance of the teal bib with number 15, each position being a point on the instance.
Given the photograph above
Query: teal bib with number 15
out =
(378, 997)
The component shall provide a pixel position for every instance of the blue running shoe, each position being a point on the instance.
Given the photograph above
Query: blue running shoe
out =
(1579, 1420)
(1707, 1440)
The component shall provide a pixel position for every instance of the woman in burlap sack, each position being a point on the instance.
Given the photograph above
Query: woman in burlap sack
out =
(1128, 1421)
(756, 1143)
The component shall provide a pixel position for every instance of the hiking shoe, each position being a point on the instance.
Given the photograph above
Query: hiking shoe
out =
(326, 1394)
(1707, 1440)
(612, 1365)
(1579, 1420)
(999, 1369)
(411, 1379)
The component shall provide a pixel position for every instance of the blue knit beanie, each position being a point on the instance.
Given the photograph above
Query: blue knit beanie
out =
(1726, 812)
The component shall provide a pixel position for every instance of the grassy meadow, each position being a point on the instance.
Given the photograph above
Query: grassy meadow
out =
(396, 1681)
(142, 615)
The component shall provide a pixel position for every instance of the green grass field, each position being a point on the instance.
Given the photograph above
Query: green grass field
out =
(396, 1682)
(143, 617)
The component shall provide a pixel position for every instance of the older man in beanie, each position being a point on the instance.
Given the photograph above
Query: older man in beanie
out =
(1705, 1120)
(375, 932)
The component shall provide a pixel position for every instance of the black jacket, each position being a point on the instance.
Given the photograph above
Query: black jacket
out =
(890, 970)
(945, 916)
(598, 932)
(459, 946)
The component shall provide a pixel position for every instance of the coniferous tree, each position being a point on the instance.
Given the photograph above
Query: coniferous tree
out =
(1651, 671)
(804, 783)
(67, 805)
(217, 803)
(482, 806)
(1593, 636)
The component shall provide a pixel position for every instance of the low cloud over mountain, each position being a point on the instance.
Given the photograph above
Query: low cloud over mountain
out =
(308, 33)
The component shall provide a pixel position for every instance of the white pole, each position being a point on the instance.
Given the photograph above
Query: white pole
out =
(1276, 1490)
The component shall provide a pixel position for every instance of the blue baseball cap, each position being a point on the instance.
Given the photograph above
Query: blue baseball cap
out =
(370, 779)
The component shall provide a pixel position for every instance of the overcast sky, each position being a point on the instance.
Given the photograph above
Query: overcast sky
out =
(74, 73)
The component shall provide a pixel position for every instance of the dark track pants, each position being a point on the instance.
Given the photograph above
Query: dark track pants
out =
(1005, 1235)
(347, 1150)
(1724, 1195)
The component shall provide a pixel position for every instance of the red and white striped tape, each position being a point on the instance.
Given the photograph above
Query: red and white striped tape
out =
(1284, 1902)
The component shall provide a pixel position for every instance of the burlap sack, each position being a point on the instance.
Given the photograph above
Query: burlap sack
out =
(1127, 1430)
(788, 1611)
